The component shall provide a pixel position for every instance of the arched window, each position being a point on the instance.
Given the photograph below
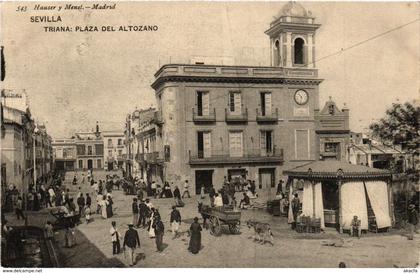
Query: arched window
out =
(277, 53)
(298, 47)
(110, 142)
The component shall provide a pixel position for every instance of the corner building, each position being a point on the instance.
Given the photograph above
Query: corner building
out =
(245, 121)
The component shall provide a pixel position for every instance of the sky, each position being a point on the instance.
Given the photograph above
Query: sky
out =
(75, 79)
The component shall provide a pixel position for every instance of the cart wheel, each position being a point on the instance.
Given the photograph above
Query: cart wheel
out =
(234, 228)
(215, 228)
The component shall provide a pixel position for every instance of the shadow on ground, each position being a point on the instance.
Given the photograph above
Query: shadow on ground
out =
(83, 254)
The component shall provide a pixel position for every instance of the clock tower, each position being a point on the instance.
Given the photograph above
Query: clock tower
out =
(292, 37)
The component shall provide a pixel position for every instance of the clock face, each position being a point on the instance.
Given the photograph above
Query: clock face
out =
(301, 97)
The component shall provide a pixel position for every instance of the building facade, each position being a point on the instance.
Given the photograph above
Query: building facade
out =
(246, 121)
(114, 149)
(64, 152)
(333, 132)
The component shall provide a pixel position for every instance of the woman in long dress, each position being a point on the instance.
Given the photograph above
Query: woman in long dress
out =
(104, 204)
(195, 239)
(109, 212)
(151, 229)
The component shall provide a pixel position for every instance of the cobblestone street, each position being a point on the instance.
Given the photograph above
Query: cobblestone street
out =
(94, 248)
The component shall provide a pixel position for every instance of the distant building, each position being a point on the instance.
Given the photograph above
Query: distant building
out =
(114, 149)
(332, 130)
(64, 150)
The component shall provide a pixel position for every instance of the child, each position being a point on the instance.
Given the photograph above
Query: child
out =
(202, 192)
(87, 214)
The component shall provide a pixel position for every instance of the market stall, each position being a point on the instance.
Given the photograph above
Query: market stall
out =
(334, 192)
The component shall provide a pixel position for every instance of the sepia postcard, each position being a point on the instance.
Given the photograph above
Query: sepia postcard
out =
(209, 134)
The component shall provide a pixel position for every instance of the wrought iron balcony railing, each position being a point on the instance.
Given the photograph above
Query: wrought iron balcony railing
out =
(200, 117)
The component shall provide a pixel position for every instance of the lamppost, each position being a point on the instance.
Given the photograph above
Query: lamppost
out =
(34, 152)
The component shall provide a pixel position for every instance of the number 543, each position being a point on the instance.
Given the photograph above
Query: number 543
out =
(21, 8)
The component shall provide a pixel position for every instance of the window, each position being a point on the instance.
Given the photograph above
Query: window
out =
(99, 149)
(64, 153)
(120, 141)
(265, 101)
(110, 142)
(81, 149)
(277, 53)
(331, 147)
(331, 109)
(298, 47)
(235, 144)
(80, 164)
(89, 150)
(235, 103)
(99, 164)
(203, 103)
(110, 152)
(266, 143)
(120, 152)
(203, 144)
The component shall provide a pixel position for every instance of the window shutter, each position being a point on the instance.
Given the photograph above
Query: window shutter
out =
(267, 104)
(207, 144)
(206, 104)
(237, 101)
(263, 143)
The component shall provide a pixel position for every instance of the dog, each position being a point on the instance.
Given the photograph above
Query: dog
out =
(262, 231)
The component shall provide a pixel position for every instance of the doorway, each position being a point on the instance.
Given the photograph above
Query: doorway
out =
(203, 178)
(110, 166)
(90, 164)
(331, 203)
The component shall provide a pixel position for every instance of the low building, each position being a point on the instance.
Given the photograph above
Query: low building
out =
(64, 153)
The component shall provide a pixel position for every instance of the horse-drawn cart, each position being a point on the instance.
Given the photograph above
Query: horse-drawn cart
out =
(222, 216)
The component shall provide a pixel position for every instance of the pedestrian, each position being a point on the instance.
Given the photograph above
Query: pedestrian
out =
(413, 219)
(81, 203)
(177, 197)
(135, 211)
(280, 187)
(212, 194)
(49, 231)
(104, 204)
(74, 180)
(152, 220)
(225, 198)
(110, 202)
(79, 192)
(154, 188)
(245, 202)
(66, 197)
(218, 201)
(186, 189)
(202, 192)
(115, 238)
(131, 240)
(195, 237)
(88, 200)
(143, 214)
(83, 178)
(295, 209)
(69, 237)
(175, 221)
(87, 214)
(30, 200)
(159, 231)
(99, 199)
(19, 208)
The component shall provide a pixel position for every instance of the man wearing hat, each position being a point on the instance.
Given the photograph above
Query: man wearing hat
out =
(413, 219)
(131, 240)
(135, 211)
(175, 221)
(143, 214)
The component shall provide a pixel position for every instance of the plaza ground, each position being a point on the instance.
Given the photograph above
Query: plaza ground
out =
(291, 249)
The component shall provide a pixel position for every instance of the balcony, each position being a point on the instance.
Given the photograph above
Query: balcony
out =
(211, 117)
(248, 156)
(272, 117)
(153, 157)
(233, 117)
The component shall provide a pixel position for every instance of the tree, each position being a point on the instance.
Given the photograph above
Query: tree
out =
(399, 126)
